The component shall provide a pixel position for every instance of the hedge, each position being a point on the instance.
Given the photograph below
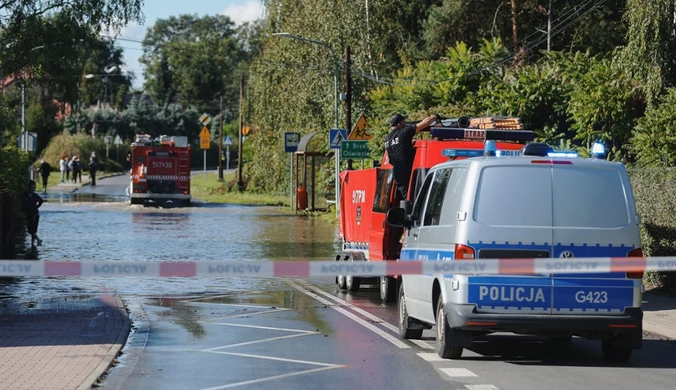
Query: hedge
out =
(655, 194)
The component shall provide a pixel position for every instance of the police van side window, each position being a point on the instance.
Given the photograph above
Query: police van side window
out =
(381, 201)
(420, 201)
(436, 198)
(417, 180)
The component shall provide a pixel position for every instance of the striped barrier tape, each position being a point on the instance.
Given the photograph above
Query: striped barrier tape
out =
(268, 269)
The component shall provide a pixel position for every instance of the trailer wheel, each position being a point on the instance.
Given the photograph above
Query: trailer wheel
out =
(388, 289)
(352, 283)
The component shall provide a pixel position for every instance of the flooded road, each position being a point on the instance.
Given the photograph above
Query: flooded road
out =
(91, 231)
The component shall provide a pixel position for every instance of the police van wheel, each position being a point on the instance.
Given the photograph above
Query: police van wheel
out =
(614, 353)
(404, 331)
(388, 289)
(340, 280)
(352, 283)
(445, 349)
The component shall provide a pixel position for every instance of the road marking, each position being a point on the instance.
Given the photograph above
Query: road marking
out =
(432, 357)
(259, 341)
(270, 378)
(255, 313)
(351, 316)
(359, 310)
(421, 344)
(457, 372)
(481, 387)
(262, 327)
(278, 359)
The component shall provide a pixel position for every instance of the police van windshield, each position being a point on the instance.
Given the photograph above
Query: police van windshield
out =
(540, 196)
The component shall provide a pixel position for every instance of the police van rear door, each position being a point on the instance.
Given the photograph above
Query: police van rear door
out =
(593, 216)
(511, 219)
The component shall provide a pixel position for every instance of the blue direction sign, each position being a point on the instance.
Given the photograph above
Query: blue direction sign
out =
(291, 141)
(336, 137)
(227, 141)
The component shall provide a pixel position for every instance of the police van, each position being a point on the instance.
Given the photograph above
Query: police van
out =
(539, 204)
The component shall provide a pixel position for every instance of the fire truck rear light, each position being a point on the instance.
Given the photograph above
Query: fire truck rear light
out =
(638, 252)
(463, 252)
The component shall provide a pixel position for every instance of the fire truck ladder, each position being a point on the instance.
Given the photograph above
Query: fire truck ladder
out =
(183, 172)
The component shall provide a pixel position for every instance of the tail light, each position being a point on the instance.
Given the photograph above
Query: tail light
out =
(464, 252)
(638, 252)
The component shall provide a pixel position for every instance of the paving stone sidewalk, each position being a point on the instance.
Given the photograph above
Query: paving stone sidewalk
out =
(659, 315)
(60, 343)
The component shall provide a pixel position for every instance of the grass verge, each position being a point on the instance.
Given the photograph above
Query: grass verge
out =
(207, 188)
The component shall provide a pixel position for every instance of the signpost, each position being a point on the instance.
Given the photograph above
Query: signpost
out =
(205, 142)
(291, 141)
(355, 149)
(336, 136)
(227, 141)
(107, 139)
(361, 130)
(118, 142)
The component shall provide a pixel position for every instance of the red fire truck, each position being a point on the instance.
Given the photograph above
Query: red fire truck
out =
(160, 171)
(367, 194)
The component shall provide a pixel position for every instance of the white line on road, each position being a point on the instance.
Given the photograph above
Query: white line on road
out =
(481, 387)
(432, 357)
(215, 349)
(278, 359)
(359, 310)
(255, 313)
(351, 316)
(457, 372)
(422, 344)
(270, 378)
(263, 327)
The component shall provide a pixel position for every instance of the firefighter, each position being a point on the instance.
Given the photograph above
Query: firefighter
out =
(399, 146)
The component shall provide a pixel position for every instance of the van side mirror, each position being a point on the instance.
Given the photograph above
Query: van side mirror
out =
(397, 217)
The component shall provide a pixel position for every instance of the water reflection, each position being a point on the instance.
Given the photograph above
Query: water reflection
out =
(93, 232)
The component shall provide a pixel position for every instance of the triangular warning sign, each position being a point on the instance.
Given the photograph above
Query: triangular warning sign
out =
(337, 139)
(360, 131)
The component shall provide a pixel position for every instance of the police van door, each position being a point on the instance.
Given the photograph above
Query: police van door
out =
(511, 219)
(593, 217)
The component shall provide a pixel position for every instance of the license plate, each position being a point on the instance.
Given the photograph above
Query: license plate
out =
(586, 297)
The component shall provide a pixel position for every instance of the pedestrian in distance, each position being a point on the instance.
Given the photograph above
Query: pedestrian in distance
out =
(45, 169)
(96, 159)
(32, 203)
(92, 169)
(399, 146)
(63, 168)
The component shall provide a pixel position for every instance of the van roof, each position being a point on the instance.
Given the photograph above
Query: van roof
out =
(530, 160)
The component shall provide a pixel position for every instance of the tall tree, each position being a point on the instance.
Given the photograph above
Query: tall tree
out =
(192, 60)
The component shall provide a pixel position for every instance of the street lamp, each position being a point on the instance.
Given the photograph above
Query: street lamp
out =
(108, 70)
(335, 106)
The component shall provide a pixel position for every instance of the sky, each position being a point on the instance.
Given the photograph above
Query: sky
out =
(238, 10)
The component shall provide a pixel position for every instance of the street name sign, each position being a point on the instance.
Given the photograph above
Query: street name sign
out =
(355, 149)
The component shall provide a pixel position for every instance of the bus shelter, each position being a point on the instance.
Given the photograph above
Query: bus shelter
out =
(311, 155)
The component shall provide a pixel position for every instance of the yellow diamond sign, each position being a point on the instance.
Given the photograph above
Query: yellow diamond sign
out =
(361, 130)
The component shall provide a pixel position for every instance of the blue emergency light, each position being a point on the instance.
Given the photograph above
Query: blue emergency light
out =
(451, 153)
(444, 133)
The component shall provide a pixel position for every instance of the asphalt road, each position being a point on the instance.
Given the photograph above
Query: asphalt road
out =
(298, 334)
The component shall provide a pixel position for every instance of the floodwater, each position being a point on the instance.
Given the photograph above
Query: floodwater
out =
(89, 231)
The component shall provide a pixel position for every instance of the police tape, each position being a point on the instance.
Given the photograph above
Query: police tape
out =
(266, 269)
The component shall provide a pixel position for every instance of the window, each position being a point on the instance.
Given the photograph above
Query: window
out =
(417, 180)
(591, 198)
(420, 200)
(514, 196)
(436, 198)
(381, 201)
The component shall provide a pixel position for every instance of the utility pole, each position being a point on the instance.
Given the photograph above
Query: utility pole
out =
(240, 183)
(220, 142)
(549, 27)
(348, 96)
(515, 31)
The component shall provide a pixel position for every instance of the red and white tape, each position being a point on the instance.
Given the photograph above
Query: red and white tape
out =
(267, 269)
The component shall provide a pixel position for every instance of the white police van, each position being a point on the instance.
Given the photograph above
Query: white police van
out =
(537, 205)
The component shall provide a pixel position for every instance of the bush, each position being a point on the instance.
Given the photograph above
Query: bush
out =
(655, 193)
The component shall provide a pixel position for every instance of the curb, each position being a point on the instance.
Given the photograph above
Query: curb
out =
(114, 350)
(653, 327)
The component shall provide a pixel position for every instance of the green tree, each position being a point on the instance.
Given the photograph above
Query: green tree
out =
(654, 138)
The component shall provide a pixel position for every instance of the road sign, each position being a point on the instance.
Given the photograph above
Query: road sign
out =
(291, 141)
(118, 140)
(246, 130)
(355, 149)
(227, 141)
(205, 119)
(205, 138)
(107, 139)
(361, 130)
(336, 136)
